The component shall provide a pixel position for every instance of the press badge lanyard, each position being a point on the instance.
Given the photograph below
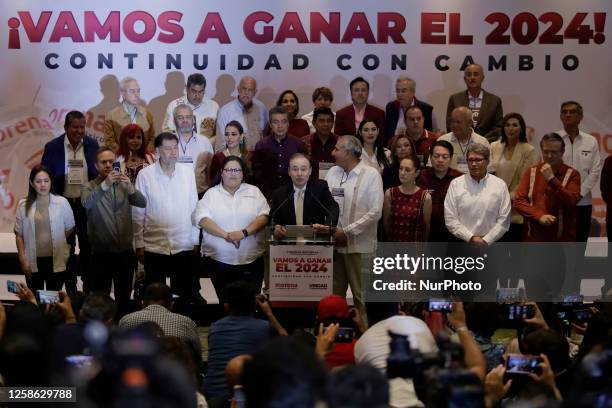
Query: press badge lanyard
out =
(186, 144)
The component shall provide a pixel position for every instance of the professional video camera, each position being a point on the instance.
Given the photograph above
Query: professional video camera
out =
(440, 379)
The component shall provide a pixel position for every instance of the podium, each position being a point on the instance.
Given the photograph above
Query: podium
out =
(301, 265)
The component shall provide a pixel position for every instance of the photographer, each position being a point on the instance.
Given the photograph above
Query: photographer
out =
(333, 309)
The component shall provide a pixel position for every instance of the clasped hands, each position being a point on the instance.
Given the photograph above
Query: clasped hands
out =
(234, 237)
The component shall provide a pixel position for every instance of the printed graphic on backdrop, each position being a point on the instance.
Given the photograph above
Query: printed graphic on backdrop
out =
(60, 56)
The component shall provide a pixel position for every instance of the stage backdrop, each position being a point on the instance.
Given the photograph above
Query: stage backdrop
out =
(62, 55)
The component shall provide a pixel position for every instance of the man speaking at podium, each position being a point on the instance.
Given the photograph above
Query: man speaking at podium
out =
(304, 201)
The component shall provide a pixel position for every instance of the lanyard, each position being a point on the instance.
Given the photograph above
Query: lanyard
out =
(184, 149)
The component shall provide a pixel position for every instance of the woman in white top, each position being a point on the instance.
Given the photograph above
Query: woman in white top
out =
(374, 153)
(233, 214)
(43, 221)
(511, 156)
(132, 152)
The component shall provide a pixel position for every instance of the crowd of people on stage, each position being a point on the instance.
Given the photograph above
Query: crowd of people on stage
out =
(199, 196)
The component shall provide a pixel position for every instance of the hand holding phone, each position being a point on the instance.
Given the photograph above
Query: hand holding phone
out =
(48, 297)
(523, 364)
(11, 286)
(440, 305)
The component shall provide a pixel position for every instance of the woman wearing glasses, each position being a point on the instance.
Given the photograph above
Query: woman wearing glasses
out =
(232, 214)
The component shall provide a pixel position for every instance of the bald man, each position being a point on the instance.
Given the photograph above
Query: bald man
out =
(250, 112)
(461, 137)
(486, 108)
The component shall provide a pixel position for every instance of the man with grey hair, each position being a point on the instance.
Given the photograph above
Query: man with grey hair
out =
(462, 136)
(204, 109)
(395, 111)
(129, 111)
(486, 108)
(250, 112)
(194, 149)
(358, 190)
(477, 205)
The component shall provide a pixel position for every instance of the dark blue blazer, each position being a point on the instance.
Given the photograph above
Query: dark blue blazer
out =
(392, 116)
(54, 158)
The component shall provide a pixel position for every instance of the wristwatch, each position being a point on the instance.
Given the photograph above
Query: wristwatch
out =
(245, 232)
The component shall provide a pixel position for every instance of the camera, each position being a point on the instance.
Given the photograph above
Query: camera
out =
(440, 379)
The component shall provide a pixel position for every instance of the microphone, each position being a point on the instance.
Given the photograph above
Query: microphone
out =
(330, 216)
(273, 213)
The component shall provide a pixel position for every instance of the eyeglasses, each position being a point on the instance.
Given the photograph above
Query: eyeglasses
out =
(232, 171)
(185, 117)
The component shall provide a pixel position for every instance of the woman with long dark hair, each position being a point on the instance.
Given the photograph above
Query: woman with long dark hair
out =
(132, 152)
(403, 148)
(235, 145)
(297, 127)
(374, 151)
(511, 156)
(43, 221)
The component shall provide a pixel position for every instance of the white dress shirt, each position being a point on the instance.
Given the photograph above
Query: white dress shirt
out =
(192, 149)
(70, 153)
(373, 160)
(205, 116)
(459, 159)
(477, 208)
(164, 225)
(232, 213)
(361, 207)
(583, 155)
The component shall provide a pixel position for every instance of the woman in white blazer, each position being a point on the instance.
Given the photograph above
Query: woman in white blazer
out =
(43, 221)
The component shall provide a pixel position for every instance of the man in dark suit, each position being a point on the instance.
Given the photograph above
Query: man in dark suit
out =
(349, 117)
(405, 89)
(304, 201)
(487, 111)
(71, 158)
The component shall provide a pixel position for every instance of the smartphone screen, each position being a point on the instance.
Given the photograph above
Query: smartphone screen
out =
(117, 166)
(11, 286)
(519, 312)
(345, 335)
(436, 305)
(522, 364)
(47, 297)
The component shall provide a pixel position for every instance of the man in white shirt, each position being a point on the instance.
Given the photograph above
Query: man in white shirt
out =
(461, 137)
(358, 190)
(250, 112)
(164, 236)
(477, 205)
(477, 211)
(581, 153)
(194, 150)
(204, 109)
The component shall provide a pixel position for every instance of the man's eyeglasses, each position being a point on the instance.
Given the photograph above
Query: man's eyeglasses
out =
(232, 171)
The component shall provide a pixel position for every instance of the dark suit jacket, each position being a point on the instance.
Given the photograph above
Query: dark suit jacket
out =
(345, 119)
(392, 115)
(54, 158)
(284, 211)
(490, 117)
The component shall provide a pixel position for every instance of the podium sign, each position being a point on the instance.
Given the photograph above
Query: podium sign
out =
(301, 272)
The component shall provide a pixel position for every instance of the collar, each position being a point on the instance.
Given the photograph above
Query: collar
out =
(455, 138)
(129, 109)
(479, 97)
(398, 105)
(357, 169)
(283, 141)
(67, 142)
(297, 189)
(158, 308)
(160, 171)
(222, 189)
(360, 110)
(330, 139)
(481, 181)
